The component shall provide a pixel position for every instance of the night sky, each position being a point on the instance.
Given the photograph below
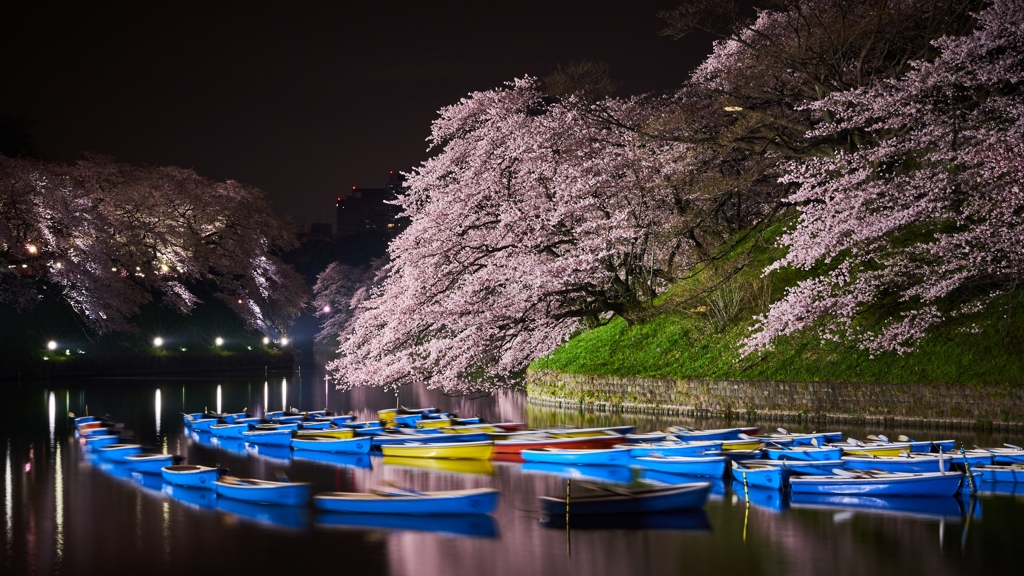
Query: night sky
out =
(300, 99)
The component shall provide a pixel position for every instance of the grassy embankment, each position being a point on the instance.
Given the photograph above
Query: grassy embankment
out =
(694, 331)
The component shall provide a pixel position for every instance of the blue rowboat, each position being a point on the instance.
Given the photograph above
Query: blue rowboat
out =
(194, 497)
(149, 462)
(407, 419)
(97, 441)
(913, 462)
(401, 501)
(666, 479)
(684, 433)
(269, 437)
(1009, 455)
(761, 475)
(236, 417)
(648, 437)
(937, 507)
(98, 431)
(673, 448)
(810, 467)
(472, 525)
(287, 419)
(273, 414)
(364, 424)
(693, 520)
(315, 425)
(805, 453)
(625, 501)
(606, 457)
(609, 474)
(337, 419)
(228, 430)
(340, 459)
(84, 420)
(385, 439)
(943, 446)
(280, 426)
(280, 516)
(118, 452)
(191, 476)
(1002, 473)
(323, 444)
(263, 491)
(711, 466)
(878, 484)
(973, 458)
(200, 424)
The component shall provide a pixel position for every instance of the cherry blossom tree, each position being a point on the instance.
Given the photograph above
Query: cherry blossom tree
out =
(109, 236)
(531, 217)
(923, 220)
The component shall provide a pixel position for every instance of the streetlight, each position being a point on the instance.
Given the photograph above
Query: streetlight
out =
(51, 345)
(284, 341)
(158, 341)
(219, 341)
(266, 340)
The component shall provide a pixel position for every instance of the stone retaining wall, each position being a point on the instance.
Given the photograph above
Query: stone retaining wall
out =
(919, 405)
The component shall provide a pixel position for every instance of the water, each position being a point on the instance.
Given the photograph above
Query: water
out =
(63, 515)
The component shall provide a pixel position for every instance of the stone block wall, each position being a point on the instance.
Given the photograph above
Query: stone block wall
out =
(922, 405)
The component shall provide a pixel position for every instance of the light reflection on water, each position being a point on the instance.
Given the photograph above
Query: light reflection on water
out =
(100, 519)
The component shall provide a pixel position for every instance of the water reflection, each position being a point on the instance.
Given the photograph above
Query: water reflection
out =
(284, 394)
(58, 501)
(8, 499)
(52, 409)
(218, 400)
(157, 408)
(266, 397)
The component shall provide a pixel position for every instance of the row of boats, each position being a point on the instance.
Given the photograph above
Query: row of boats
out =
(693, 460)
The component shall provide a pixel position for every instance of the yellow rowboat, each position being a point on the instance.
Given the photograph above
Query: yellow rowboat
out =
(460, 450)
(875, 449)
(740, 444)
(389, 414)
(472, 430)
(434, 423)
(479, 467)
(327, 433)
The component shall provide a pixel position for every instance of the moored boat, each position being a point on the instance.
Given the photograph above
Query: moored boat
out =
(118, 452)
(806, 453)
(459, 450)
(1009, 473)
(913, 462)
(686, 433)
(625, 501)
(328, 433)
(229, 430)
(263, 491)
(761, 475)
(854, 448)
(673, 448)
(608, 456)
(516, 444)
(399, 501)
(388, 438)
(878, 483)
(150, 462)
(323, 444)
(476, 467)
(812, 467)
(269, 437)
(710, 466)
(191, 475)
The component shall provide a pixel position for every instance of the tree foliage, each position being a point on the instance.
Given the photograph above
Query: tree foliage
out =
(108, 236)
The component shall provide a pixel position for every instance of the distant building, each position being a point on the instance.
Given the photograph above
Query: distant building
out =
(361, 210)
(317, 232)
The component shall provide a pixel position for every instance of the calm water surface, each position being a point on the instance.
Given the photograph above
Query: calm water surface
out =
(63, 515)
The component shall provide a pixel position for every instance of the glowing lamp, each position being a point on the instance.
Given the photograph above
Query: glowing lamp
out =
(266, 340)
(219, 341)
(158, 341)
(51, 345)
(284, 341)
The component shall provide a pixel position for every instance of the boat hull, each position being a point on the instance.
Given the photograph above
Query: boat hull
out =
(710, 466)
(608, 457)
(264, 492)
(356, 445)
(674, 449)
(202, 477)
(148, 462)
(679, 497)
(804, 454)
(936, 484)
(467, 450)
(898, 464)
(771, 477)
(268, 437)
(478, 501)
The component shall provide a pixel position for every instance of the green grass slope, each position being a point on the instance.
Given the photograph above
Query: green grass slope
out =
(694, 331)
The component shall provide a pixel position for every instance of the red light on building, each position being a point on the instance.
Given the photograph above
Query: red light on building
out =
(353, 187)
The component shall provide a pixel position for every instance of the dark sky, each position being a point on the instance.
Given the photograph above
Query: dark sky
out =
(299, 99)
